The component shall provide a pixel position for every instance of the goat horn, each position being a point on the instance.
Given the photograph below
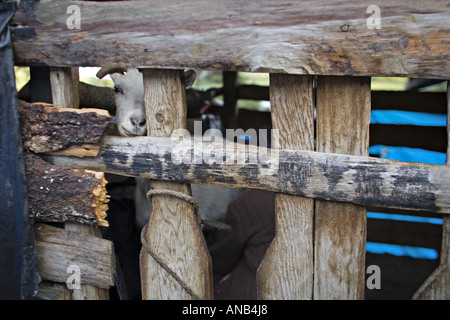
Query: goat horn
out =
(104, 71)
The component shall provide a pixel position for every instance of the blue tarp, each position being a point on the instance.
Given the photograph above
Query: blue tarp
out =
(408, 155)
(408, 118)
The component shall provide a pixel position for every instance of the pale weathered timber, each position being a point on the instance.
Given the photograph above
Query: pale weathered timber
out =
(64, 83)
(286, 271)
(437, 286)
(58, 249)
(174, 260)
(327, 176)
(59, 194)
(64, 86)
(48, 290)
(270, 36)
(68, 131)
(343, 118)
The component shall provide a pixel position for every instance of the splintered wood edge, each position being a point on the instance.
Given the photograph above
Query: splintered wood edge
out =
(100, 199)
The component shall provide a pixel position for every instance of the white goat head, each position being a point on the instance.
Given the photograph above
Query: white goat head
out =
(129, 97)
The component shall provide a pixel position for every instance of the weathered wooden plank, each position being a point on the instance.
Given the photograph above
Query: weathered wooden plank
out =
(286, 271)
(343, 118)
(64, 83)
(328, 176)
(437, 286)
(175, 262)
(276, 36)
(58, 249)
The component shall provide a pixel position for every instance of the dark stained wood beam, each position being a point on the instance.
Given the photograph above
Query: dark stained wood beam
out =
(328, 176)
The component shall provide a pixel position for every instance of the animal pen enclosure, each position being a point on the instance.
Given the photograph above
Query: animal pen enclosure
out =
(319, 167)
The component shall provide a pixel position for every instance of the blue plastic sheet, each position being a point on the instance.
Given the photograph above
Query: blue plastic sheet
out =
(398, 117)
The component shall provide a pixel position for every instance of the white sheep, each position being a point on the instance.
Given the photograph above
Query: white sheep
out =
(130, 116)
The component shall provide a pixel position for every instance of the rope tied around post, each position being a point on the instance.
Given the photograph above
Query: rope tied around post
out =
(180, 195)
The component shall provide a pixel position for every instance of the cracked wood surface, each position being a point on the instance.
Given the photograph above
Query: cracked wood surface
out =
(328, 176)
(288, 36)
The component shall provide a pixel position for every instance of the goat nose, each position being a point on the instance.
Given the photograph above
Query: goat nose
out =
(137, 121)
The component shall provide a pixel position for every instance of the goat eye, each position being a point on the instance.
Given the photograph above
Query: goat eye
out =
(118, 89)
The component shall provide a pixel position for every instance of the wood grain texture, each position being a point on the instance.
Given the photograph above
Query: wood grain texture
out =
(328, 176)
(437, 286)
(64, 82)
(274, 36)
(59, 248)
(287, 269)
(343, 118)
(173, 232)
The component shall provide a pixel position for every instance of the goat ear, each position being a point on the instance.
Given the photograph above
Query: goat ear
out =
(189, 77)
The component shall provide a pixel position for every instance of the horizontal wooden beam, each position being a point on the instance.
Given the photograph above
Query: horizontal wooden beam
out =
(288, 36)
(361, 180)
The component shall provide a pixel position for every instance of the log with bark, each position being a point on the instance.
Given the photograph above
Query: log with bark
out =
(58, 194)
(76, 132)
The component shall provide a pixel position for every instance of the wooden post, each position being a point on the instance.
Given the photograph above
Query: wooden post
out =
(437, 286)
(287, 269)
(175, 262)
(343, 117)
(65, 87)
(64, 84)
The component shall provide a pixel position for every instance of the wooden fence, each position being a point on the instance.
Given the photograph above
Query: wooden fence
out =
(325, 177)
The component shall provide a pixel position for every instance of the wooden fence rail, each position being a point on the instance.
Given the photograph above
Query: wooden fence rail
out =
(328, 176)
(289, 36)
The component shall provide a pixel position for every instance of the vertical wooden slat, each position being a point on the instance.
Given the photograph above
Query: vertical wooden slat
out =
(437, 286)
(287, 269)
(64, 83)
(64, 87)
(178, 265)
(343, 117)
